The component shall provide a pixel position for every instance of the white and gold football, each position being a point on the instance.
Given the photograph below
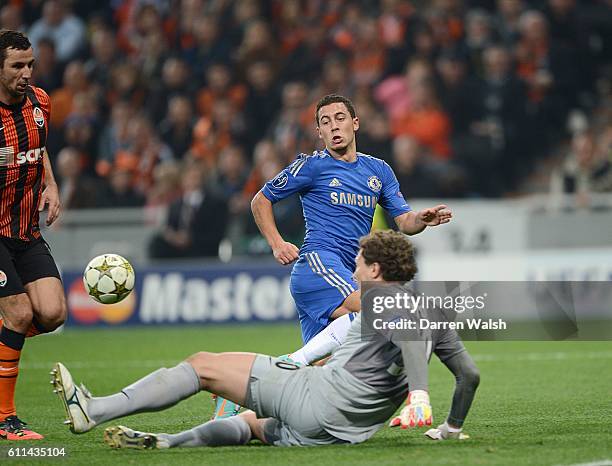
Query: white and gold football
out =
(109, 278)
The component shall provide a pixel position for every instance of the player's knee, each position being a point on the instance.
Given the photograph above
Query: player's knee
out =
(55, 316)
(19, 313)
(198, 359)
(256, 426)
(55, 321)
(201, 363)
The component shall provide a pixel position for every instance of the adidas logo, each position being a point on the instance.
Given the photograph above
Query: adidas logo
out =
(335, 183)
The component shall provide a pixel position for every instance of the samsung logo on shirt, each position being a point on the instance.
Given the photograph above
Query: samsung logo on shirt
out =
(359, 200)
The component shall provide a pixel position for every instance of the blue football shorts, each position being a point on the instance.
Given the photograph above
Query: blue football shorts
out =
(319, 284)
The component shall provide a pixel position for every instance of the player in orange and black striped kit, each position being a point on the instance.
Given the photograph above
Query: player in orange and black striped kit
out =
(32, 298)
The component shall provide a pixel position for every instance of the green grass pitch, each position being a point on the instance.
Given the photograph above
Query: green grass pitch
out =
(540, 403)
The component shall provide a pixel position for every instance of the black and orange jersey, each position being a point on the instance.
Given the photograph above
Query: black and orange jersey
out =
(23, 135)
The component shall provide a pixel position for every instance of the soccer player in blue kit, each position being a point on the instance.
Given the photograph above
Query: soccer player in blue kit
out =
(339, 189)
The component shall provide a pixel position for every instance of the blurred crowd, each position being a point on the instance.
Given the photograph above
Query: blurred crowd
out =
(186, 107)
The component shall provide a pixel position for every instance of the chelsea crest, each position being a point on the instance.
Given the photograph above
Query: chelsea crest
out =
(374, 183)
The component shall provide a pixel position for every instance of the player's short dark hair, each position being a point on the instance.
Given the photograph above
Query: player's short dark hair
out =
(393, 251)
(12, 40)
(332, 99)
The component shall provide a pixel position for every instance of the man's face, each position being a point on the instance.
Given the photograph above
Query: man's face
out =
(16, 73)
(364, 272)
(193, 180)
(336, 127)
(496, 62)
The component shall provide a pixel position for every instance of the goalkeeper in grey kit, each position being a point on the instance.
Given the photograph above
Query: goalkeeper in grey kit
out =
(345, 401)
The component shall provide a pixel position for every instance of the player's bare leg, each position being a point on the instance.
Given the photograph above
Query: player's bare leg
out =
(352, 303)
(48, 305)
(16, 311)
(227, 374)
(225, 407)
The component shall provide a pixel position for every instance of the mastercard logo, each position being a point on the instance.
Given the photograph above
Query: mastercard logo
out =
(85, 310)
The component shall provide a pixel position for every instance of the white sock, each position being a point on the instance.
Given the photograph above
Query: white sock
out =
(452, 429)
(325, 341)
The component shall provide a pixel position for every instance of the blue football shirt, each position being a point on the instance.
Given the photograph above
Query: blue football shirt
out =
(338, 199)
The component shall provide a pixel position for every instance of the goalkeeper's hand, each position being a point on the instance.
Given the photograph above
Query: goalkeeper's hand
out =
(416, 413)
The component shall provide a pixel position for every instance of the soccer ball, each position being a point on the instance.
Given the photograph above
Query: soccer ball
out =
(109, 278)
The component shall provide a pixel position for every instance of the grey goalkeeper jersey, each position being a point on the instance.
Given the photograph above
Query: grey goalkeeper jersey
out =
(365, 381)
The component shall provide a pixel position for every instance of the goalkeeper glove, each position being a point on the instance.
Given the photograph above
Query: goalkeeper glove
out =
(416, 413)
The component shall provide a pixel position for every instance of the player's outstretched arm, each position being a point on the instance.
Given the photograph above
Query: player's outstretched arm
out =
(284, 252)
(50, 194)
(412, 222)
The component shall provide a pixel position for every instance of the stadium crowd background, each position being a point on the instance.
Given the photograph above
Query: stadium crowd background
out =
(186, 107)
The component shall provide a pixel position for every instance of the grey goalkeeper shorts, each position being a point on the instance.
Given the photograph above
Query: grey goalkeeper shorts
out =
(280, 391)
